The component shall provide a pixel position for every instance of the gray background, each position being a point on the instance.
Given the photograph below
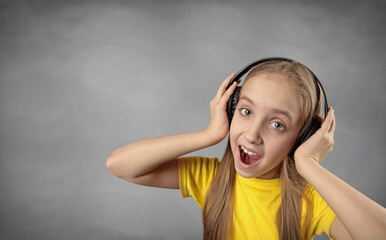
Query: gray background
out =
(82, 78)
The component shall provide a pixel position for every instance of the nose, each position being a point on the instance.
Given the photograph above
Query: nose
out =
(253, 133)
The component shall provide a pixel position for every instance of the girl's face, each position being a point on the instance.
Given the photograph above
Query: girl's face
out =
(265, 125)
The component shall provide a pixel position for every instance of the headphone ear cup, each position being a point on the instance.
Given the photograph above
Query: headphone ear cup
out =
(314, 125)
(232, 104)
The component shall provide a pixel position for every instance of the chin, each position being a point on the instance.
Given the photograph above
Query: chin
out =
(245, 175)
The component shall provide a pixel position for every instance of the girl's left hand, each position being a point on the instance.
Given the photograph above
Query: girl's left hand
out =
(318, 145)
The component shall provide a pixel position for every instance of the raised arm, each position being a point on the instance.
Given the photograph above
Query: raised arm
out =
(152, 162)
(358, 217)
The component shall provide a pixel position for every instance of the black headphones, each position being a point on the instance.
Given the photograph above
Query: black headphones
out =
(315, 123)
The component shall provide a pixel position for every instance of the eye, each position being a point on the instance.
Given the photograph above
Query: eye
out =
(246, 112)
(277, 125)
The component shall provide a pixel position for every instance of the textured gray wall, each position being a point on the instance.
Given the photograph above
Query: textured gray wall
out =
(79, 79)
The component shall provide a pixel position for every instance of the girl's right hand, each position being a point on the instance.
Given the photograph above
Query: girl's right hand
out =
(219, 123)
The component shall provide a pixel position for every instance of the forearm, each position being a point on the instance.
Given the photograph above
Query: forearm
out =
(139, 158)
(362, 217)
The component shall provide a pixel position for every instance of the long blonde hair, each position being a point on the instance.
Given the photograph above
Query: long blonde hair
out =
(218, 208)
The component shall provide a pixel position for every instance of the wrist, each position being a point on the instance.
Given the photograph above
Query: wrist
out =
(213, 136)
(304, 165)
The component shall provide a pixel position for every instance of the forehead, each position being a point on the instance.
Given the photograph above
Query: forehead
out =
(270, 91)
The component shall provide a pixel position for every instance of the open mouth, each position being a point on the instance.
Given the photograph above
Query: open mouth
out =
(248, 158)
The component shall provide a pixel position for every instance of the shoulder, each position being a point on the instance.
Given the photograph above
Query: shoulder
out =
(196, 175)
(200, 164)
(317, 202)
(314, 196)
(322, 215)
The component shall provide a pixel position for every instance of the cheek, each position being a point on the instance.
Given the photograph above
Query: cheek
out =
(234, 130)
(280, 147)
(234, 134)
(292, 139)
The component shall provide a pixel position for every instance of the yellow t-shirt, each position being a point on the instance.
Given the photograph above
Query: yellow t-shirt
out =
(256, 201)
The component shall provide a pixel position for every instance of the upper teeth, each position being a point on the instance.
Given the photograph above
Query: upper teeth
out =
(249, 153)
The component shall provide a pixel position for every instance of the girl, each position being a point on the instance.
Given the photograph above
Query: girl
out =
(262, 188)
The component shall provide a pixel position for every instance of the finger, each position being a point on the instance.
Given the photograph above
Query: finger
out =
(229, 92)
(223, 86)
(328, 121)
(332, 129)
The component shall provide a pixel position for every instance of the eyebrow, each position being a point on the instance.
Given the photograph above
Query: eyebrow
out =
(275, 110)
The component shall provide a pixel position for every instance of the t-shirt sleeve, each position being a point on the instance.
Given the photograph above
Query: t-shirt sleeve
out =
(195, 176)
(322, 215)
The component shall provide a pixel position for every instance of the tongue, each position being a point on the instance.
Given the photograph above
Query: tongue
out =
(248, 160)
